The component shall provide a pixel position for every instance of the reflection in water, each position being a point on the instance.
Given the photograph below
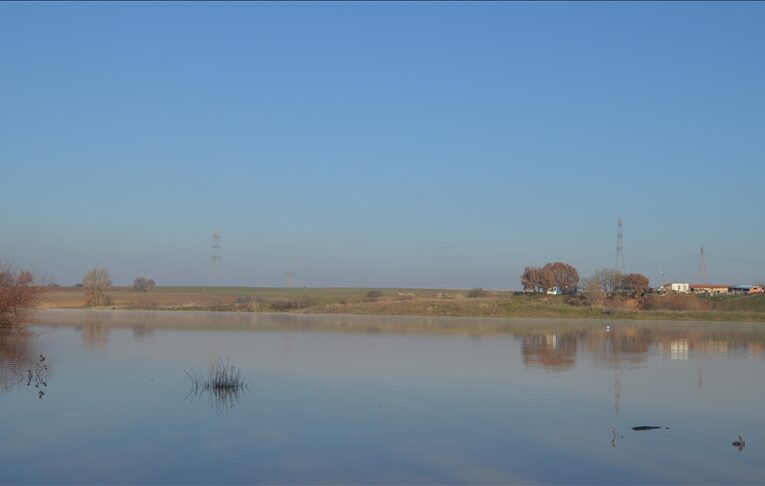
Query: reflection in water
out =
(324, 382)
(740, 443)
(15, 356)
(39, 375)
(224, 386)
(94, 333)
(556, 352)
(142, 331)
(17, 363)
(221, 400)
(627, 346)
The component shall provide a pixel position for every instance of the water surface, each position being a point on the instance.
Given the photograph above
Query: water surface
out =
(355, 399)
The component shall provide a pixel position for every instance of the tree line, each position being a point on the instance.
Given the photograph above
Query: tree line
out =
(605, 283)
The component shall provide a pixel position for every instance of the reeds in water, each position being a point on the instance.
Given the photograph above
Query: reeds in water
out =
(223, 385)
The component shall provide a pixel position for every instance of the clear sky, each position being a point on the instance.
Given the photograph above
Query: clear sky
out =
(381, 144)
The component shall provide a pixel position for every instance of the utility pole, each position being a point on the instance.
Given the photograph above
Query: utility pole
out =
(215, 259)
(703, 277)
(289, 275)
(619, 245)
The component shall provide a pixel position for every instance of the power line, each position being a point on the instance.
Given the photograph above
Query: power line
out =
(400, 248)
(659, 262)
(743, 260)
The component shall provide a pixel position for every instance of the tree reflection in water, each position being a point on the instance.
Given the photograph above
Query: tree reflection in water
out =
(622, 345)
(19, 362)
(93, 332)
(142, 331)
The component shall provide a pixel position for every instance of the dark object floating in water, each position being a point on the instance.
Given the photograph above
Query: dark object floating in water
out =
(646, 427)
(740, 443)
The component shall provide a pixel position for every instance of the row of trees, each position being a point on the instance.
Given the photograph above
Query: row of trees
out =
(97, 281)
(602, 284)
(612, 283)
(19, 291)
(557, 274)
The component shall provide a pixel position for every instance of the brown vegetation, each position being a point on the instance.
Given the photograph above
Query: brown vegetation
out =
(18, 295)
(476, 292)
(676, 302)
(96, 282)
(614, 290)
(143, 284)
(589, 305)
(557, 274)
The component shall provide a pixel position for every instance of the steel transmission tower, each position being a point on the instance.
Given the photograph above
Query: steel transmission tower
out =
(703, 277)
(619, 245)
(215, 259)
(289, 275)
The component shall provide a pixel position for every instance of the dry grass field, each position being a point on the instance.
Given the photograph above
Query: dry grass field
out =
(430, 302)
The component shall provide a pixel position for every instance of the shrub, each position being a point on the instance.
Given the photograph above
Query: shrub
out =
(374, 294)
(675, 302)
(301, 302)
(477, 292)
(142, 284)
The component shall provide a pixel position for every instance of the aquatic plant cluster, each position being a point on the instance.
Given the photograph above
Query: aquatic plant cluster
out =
(37, 375)
(223, 385)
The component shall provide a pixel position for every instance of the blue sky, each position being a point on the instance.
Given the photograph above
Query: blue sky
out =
(381, 144)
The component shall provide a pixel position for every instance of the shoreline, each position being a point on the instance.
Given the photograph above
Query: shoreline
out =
(411, 302)
(247, 318)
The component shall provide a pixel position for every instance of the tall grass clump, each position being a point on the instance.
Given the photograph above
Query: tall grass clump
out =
(223, 385)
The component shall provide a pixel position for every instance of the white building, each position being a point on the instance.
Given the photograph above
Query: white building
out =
(677, 287)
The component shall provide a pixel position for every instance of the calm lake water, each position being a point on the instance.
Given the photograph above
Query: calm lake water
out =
(341, 399)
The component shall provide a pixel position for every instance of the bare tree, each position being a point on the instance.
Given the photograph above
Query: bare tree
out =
(593, 291)
(96, 282)
(18, 295)
(142, 284)
(634, 284)
(610, 280)
(529, 278)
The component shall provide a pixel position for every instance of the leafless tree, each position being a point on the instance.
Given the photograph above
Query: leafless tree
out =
(610, 280)
(96, 282)
(142, 284)
(634, 284)
(593, 291)
(529, 279)
(18, 295)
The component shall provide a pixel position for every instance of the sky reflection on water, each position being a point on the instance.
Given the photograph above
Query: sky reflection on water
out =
(385, 400)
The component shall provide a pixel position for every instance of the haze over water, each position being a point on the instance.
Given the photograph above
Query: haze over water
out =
(340, 399)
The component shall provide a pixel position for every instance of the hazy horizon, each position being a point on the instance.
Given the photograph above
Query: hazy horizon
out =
(381, 145)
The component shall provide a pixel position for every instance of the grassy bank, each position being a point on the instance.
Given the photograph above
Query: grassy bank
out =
(428, 302)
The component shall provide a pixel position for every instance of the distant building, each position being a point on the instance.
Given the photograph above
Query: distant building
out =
(746, 289)
(677, 287)
(710, 289)
(554, 291)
